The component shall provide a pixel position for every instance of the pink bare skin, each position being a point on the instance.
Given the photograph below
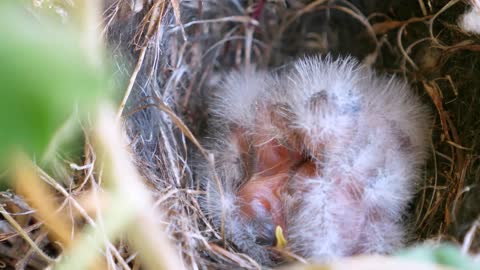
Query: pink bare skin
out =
(274, 166)
(261, 194)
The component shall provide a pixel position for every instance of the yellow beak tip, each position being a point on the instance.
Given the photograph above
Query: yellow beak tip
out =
(281, 241)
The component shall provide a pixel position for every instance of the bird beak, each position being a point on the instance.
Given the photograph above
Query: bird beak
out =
(281, 241)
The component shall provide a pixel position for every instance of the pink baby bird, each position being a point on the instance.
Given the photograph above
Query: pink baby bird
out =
(327, 151)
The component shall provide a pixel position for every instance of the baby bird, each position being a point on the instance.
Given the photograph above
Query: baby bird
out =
(319, 160)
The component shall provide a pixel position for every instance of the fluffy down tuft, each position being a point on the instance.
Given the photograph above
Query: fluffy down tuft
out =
(350, 141)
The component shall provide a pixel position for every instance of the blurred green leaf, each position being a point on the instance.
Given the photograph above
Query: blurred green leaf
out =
(44, 78)
(444, 255)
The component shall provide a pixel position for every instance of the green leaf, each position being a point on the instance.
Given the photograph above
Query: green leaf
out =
(444, 255)
(44, 77)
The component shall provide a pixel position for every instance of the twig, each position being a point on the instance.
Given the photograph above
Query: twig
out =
(470, 236)
(82, 212)
(154, 20)
(25, 236)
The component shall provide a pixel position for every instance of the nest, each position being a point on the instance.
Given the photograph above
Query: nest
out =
(174, 51)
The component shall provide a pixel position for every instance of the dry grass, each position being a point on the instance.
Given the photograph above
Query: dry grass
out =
(171, 51)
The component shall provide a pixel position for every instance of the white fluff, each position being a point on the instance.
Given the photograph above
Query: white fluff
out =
(366, 134)
(470, 21)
